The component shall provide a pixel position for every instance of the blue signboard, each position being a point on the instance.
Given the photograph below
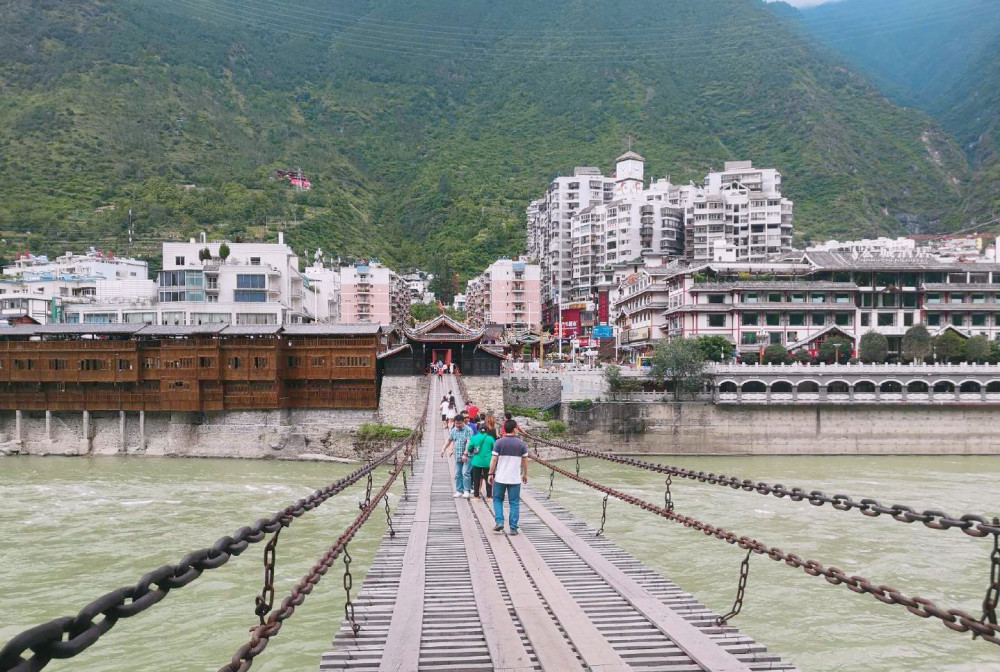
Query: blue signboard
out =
(602, 331)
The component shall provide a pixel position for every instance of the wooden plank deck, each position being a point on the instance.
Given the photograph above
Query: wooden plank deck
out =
(447, 593)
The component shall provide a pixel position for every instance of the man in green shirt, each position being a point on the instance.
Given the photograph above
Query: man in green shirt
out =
(481, 448)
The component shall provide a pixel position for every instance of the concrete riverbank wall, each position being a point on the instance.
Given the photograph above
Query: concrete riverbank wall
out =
(705, 428)
(306, 434)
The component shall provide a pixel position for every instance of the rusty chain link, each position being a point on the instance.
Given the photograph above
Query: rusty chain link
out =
(954, 619)
(741, 587)
(348, 585)
(244, 656)
(265, 601)
(604, 514)
(368, 493)
(668, 498)
(577, 464)
(406, 492)
(68, 636)
(973, 525)
(552, 480)
(388, 517)
(993, 590)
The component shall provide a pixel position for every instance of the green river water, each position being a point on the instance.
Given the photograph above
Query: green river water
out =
(73, 528)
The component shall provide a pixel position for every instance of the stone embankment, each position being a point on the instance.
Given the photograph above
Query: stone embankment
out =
(305, 434)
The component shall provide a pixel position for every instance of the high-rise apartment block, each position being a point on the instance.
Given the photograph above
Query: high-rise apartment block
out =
(371, 292)
(588, 223)
(508, 293)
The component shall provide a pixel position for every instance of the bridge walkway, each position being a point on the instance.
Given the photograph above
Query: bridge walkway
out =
(447, 593)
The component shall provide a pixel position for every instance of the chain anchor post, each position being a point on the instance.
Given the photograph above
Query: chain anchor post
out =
(604, 515)
(993, 589)
(741, 588)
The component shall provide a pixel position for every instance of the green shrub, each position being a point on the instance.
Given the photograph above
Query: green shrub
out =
(583, 405)
(555, 428)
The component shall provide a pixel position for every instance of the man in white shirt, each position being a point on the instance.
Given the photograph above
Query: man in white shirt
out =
(508, 470)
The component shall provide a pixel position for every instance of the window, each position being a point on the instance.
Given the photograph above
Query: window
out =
(866, 301)
(934, 298)
(353, 361)
(100, 318)
(125, 365)
(933, 320)
(317, 361)
(249, 280)
(793, 336)
(234, 362)
(841, 298)
(773, 319)
(796, 319)
(92, 365)
(957, 319)
(748, 338)
(909, 301)
(797, 297)
(294, 362)
(749, 319)
(249, 296)
(774, 337)
(750, 297)
(818, 298)
(178, 261)
(206, 362)
(716, 298)
(979, 298)
(979, 319)
(57, 364)
(260, 362)
(818, 319)
(956, 298)
(888, 300)
(255, 261)
(716, 320)
(774, 297)
(842, 319)
(907, 319)
(24, 364)
(886, 319)
(866, 319)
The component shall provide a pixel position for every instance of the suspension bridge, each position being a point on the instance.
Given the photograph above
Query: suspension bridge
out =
(445, 592)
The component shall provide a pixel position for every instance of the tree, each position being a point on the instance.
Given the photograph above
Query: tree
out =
(776, 354)
(803, 357)
(977, 349)
(949, 346)
(715, 348)
(873, 348)
(749, 358)
(681, 361)
(223, 251)
(421, 312)
(829, 352)
(917, 343)
(618, 385)
(204, 254)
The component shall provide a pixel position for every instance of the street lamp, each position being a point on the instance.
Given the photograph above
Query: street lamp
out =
(761, 337)
(836, 352)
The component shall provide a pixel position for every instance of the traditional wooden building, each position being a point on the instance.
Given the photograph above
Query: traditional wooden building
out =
(216, 367)
(446, 340)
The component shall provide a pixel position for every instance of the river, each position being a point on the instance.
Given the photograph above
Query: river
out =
(73, 528)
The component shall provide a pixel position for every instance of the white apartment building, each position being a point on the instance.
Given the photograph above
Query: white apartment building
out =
(39, 288)
(459, 302)
(322, 295)
(739, 215)
(255, 284)
(508, 293)
(418, 283)
(372, 292)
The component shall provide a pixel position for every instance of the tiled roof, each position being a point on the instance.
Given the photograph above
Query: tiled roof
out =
(346, 329)
(181, 330)
(251, 330)
(790, 285)
(86, 328)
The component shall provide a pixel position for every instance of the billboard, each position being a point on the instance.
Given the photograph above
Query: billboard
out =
(602, 331)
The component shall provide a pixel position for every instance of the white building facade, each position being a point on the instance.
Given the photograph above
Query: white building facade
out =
(508, 293)
(372, 292)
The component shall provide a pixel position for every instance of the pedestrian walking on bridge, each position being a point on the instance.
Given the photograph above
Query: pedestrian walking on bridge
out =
(458, 441)
(508, 471)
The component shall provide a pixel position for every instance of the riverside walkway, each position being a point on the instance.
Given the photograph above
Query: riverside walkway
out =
(447, 593)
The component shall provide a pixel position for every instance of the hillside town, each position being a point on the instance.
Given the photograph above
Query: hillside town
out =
(612, 265)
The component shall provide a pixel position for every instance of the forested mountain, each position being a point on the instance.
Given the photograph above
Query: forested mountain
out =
(940, 56)
(426, 126)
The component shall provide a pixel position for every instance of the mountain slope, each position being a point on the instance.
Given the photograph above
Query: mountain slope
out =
(426, 127)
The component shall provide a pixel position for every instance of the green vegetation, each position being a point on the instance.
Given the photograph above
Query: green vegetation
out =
(680, 361)
(619, 385)
(425, 146)
(776, 354)
(835, 349)
(873, 348)
(977, 349)
(374, 431)
(554, 428)
(533, 413)
(949, 346)
(715, 348)
(916, 346)
(582, 405)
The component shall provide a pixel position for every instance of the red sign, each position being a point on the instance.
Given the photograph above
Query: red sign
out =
(602, 307)
(570, 323)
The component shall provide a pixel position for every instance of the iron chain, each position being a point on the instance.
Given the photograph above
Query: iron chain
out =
(954, 619)
(604, 514)
(265, 601)
(578, 464)
(388, 518)
(668, 499)
(552, 480)
(368, 493)
(348, 585)
(993, 590)
(973, 525)
(406, 492)
(741, 588)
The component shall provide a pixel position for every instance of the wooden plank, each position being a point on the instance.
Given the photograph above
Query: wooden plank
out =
(502, 638)
(695, 643)
(407, 615)
(554, 653)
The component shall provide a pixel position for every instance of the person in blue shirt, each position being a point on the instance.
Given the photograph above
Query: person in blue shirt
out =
(458, 441)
